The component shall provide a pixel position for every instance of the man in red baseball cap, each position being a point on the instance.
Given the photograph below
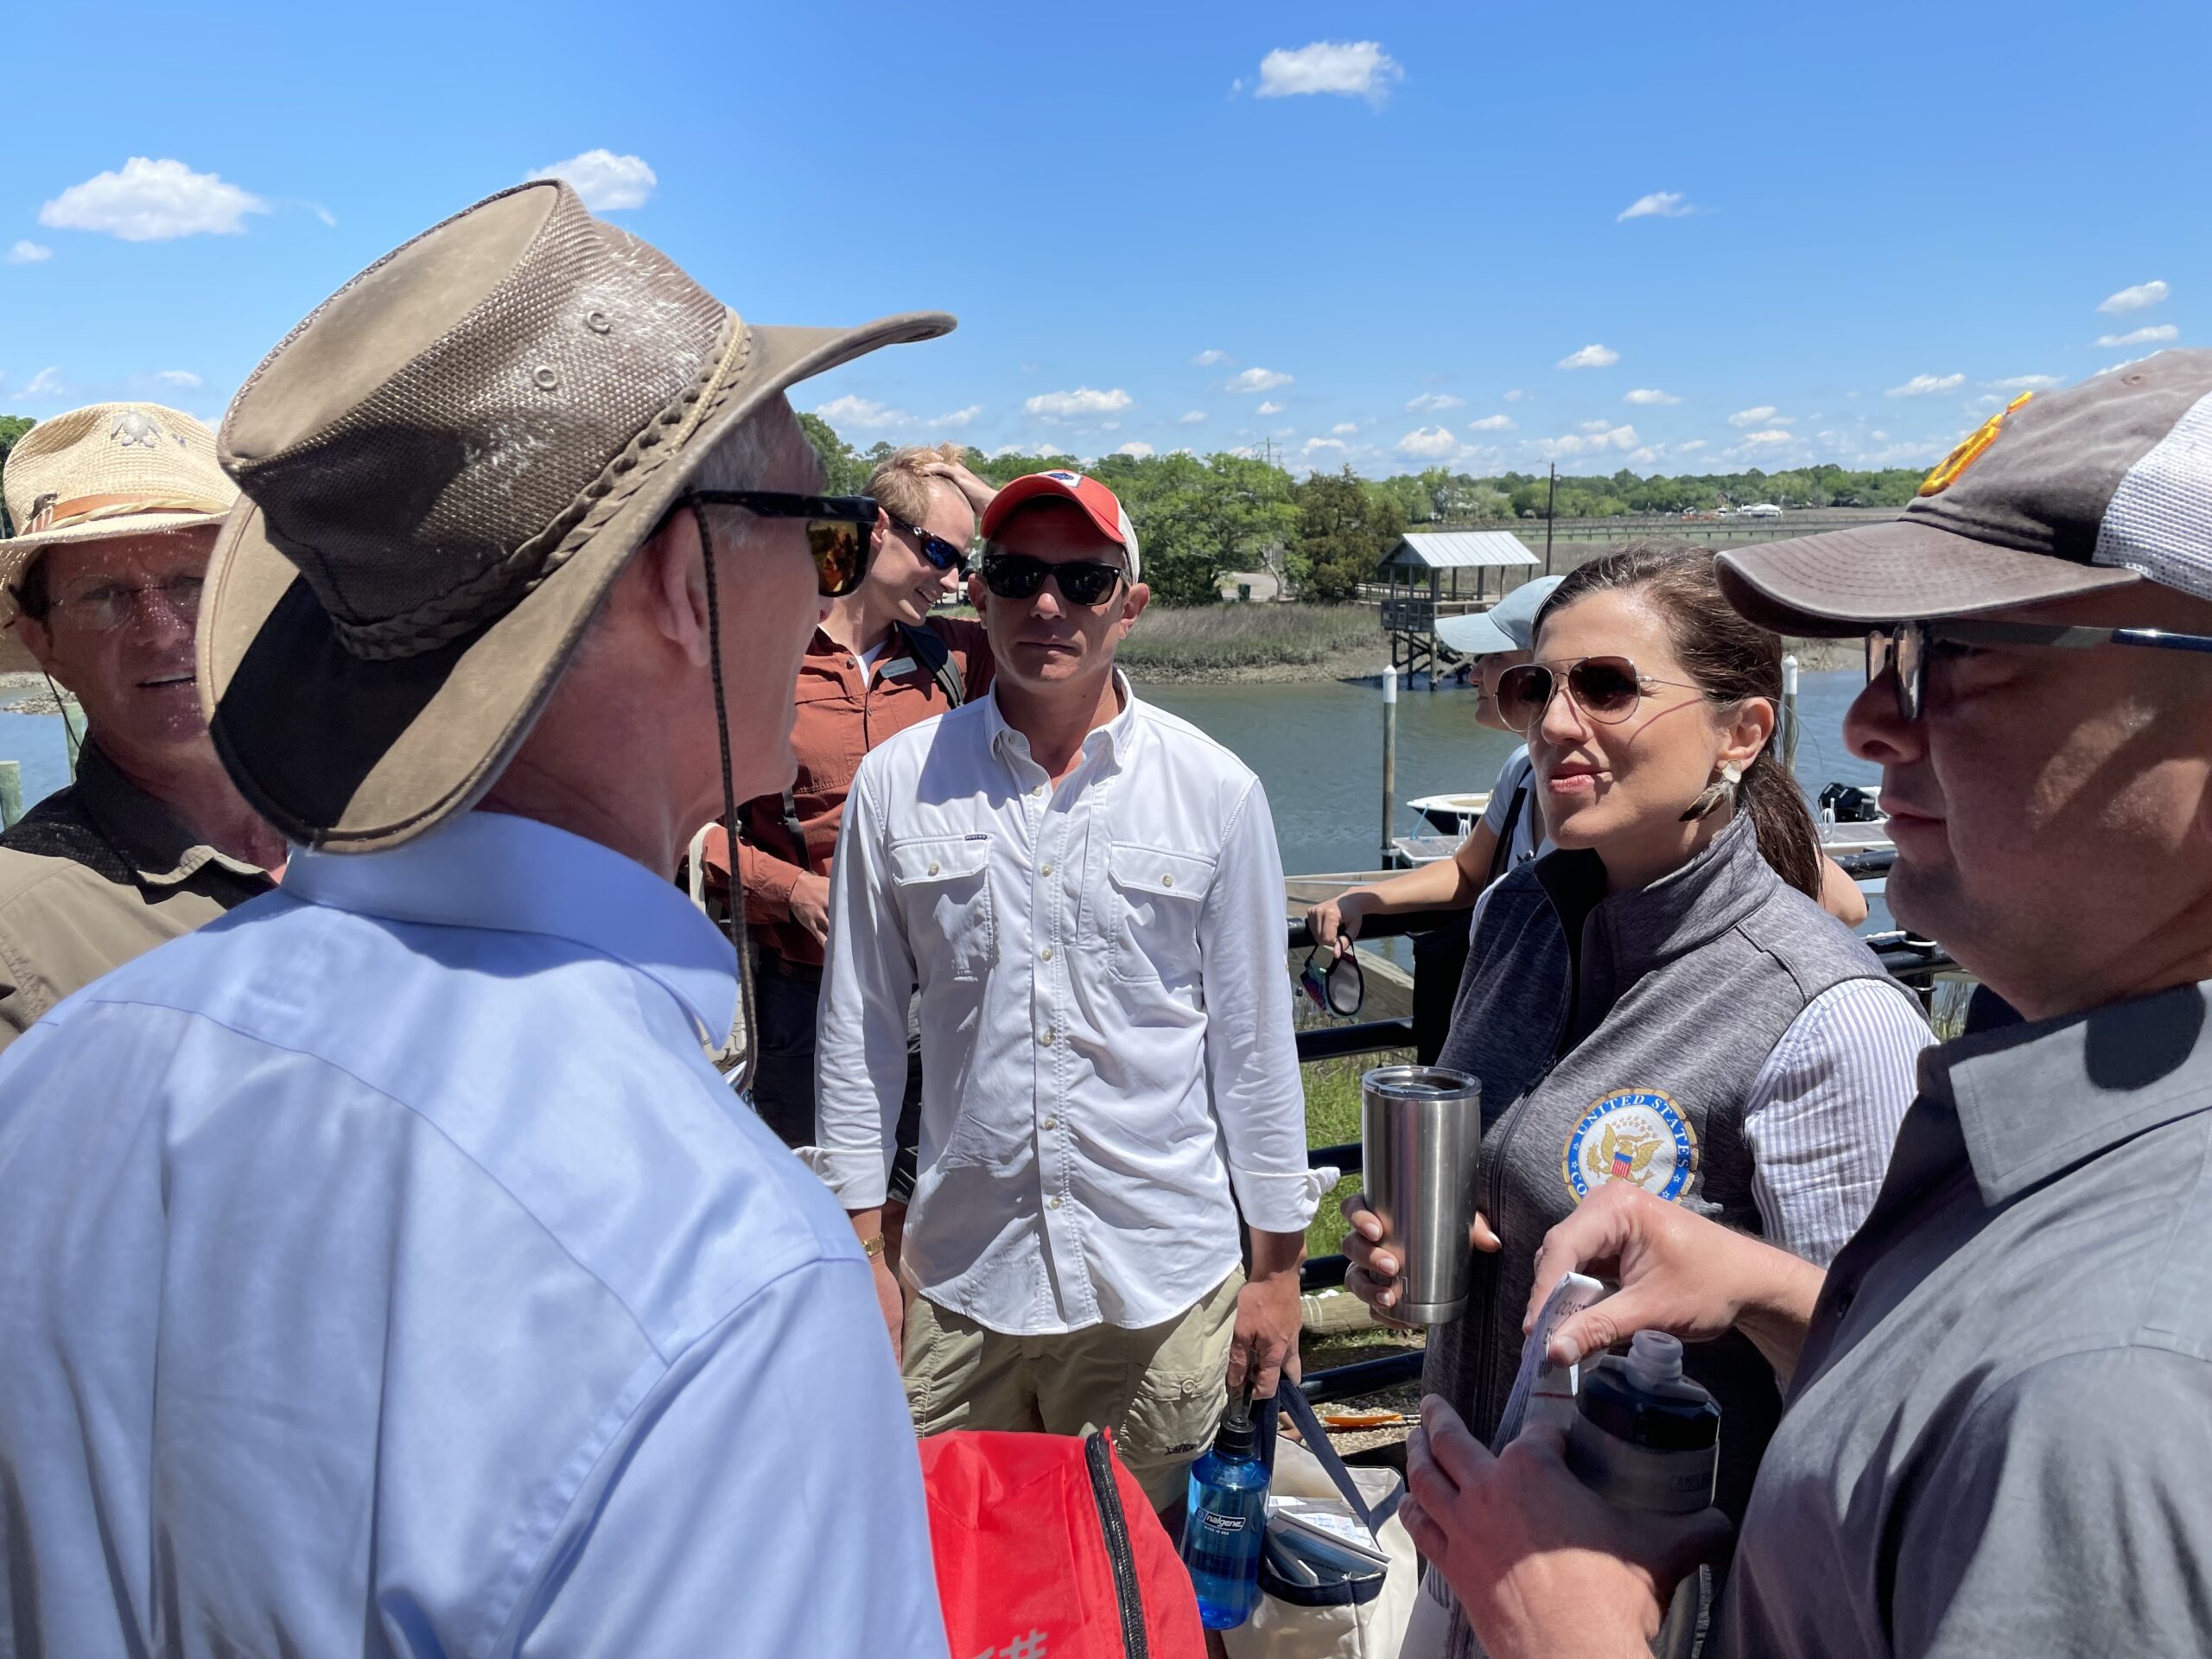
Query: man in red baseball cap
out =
(1087, 891)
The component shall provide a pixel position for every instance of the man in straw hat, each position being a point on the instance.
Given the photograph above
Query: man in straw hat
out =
(118, 504)
(388, 1264)
(1999, 1427)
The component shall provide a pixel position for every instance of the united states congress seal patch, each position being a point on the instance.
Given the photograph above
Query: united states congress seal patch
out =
(1632, 1134)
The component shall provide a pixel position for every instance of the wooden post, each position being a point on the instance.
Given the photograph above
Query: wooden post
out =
(1389, 758)
(11, 793)
(1789, 713)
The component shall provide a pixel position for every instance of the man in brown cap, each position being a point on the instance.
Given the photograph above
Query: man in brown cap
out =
(1997, 1433)
(389, 1267)
(119, 504)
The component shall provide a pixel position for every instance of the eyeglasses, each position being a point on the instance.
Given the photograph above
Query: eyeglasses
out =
(836, 529)
(1082, 582)
(941, 554)
(1606, 689)
(1905, 647)
(1339, 985)
(100, 604)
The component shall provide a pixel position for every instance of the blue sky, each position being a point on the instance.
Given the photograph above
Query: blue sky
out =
(1366, 233)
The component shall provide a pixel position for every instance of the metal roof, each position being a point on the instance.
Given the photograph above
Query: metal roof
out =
(1461, 548)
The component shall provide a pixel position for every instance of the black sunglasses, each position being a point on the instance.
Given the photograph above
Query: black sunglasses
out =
(1904, 646)
(1017, 575)
(837, 529)
(1606, 689)
(1337, 986)
(941, 554)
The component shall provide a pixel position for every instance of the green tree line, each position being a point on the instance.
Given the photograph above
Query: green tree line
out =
(1200, 517)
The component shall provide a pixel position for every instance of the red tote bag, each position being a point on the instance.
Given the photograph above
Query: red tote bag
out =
(1047, 1549)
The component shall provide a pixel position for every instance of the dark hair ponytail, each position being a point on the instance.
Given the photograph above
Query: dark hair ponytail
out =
(1730, 659)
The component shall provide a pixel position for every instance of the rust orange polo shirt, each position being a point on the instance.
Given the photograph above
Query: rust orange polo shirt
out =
(842, 714)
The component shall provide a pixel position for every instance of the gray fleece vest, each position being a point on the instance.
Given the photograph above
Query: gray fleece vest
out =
(1617, 1038)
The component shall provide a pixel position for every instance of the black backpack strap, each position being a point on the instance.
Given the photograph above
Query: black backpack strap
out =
(1501, 856)
(932, 652)
(1293, 1404)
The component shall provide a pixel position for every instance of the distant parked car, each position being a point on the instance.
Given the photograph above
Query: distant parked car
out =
(1759, 509)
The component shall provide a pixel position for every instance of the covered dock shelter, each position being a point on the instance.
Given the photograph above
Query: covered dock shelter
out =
(1491, 561)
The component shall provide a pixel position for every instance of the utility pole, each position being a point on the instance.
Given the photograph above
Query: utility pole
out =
(1551, 510)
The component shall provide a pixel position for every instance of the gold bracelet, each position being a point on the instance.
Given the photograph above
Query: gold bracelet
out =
(872, 1248)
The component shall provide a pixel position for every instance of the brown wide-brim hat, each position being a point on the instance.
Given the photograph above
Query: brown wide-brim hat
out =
(445, 467)
(2103, 485)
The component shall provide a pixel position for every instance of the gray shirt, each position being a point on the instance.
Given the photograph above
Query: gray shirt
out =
(2000, 1437)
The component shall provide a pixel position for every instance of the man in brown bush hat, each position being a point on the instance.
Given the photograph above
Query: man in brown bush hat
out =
(390, 1269)
(118, 506)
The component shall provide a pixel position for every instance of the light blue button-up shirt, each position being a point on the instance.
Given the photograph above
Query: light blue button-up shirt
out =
(383, 1268)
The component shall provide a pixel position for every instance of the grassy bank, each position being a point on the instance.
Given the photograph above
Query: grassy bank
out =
(1229, 642)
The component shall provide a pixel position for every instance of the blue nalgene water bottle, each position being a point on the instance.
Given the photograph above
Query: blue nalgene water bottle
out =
(1227, 1520)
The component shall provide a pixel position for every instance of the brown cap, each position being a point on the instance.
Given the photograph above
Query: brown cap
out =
(2100, 485)
(445, 467)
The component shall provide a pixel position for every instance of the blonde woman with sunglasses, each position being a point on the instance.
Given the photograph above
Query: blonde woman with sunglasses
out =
(1661, 1000)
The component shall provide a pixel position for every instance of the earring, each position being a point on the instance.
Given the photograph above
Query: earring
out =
(1721, 789)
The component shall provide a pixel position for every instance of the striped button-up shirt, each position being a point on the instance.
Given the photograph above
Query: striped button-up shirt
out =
(1107, 1052)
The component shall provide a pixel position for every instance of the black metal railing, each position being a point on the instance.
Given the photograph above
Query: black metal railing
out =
(1914, 962)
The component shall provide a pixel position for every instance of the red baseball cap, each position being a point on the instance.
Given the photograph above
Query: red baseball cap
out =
(1103, 506)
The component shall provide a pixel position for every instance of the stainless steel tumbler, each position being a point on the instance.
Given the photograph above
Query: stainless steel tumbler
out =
(1420, 1128)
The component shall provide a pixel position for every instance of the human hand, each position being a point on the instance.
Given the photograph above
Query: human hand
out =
(1542, 1565)
(954, 473)
(891, 1301)
(809, 905)
(1372, 1275)
(1265, 1344)
(1677, 1273)
(1335, 922)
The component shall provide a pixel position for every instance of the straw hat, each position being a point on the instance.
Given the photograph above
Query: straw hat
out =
(106, 470)
(445, 467)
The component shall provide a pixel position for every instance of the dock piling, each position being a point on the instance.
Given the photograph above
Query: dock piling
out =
(1390, 756)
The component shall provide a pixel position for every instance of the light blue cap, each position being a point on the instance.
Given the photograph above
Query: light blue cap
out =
(1510, 625)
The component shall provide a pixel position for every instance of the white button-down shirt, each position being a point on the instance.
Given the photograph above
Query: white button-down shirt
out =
(1107, 1050)
(386, 1270)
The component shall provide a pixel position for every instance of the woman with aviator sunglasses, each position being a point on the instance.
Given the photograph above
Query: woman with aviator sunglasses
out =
(1660, 1000)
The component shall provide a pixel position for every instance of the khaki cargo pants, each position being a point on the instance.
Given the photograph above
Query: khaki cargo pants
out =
(1160, 1389)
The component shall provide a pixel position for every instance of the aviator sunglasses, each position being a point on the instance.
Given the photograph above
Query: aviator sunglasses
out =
(941, 554)
(1606, 689)
(1905, 647)
(836, 529)
(1017, 575)
(1337, 986)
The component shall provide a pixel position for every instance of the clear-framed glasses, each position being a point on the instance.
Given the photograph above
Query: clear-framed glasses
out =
(1905, 648)
(100, 604)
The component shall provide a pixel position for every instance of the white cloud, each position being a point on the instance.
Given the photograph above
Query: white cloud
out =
(1597, 426)
(1644, 456)
(152, 201)
(1691, 448)
(1650, 395)
(1764, 413)
(26, 253)
(1315, 445)
(1068, 405)
(959, 417)
(1765, 440)
(865, 414)
(46, 383)
(177, 378)
(2145, 336)
(1588, 442)
(1515, 395)
(1429, 442)
(2140, 297)
(1344, 428)
(1209, 358)
(1139, 450)
(1494, 424)
(1660, 204)
(1270, 407)
(1591, 357)
(1430, 402)
(605, 179)
(1921, 385)
(1190, 417)
(1258, 380)
(1345, 68)
(2021, 382)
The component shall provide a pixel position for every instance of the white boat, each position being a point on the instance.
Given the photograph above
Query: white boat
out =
(1452, 815)
(1451, 819)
